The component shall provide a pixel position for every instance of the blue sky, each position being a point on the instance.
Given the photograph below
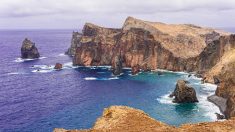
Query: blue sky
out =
(72, 14)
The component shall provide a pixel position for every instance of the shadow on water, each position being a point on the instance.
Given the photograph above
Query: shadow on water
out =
(186, 109)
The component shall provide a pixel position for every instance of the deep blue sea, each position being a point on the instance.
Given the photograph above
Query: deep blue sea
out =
(73, 98)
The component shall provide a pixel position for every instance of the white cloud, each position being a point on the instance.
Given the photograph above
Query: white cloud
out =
(112, 12)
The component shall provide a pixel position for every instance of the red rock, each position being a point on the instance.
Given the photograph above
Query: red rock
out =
(58, 66)
(135, 69)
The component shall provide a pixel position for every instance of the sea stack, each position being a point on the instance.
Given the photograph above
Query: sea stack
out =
(29, 50)
(117, 65)
(184, 93)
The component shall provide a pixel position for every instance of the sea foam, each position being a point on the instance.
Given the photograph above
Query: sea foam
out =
(24, 60)
(100, 79)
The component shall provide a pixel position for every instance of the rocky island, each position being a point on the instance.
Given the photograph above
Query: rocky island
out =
(144, 46)
(29, 50)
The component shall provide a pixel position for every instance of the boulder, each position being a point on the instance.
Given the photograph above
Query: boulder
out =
(58, 66)
(135, 69)
(219, 116)
(29, 50)
(216, 80)
(145, 68)
(184, 93)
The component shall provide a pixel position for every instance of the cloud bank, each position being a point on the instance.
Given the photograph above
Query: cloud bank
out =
(112, 13)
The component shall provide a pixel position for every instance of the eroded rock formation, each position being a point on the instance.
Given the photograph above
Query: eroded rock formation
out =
(126, 119)
(29, 50)
(117, 65)
(149, 44)
(153, 45)
(74, 43)
(184, 93)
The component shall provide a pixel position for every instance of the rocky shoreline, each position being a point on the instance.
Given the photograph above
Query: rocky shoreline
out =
(218, 101)
(145, 46)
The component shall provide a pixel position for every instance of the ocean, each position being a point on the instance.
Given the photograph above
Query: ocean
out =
(74, 97)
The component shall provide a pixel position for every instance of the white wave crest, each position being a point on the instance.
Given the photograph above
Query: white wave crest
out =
(42, 71)
(62, 54)
(95, 78)
(24, 60)
(165, 99)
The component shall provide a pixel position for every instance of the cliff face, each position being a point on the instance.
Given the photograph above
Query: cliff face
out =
(214, 54)
(96, 46)
(218, 59)
(76, 37)
(155, 45)
(121, 118)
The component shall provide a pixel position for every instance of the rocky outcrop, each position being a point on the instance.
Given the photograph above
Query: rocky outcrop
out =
(184, 93)
(149, 44)
(212, 58)
(126, 119)
(219, 101)
(135, 69)
(29, 50)
(117, 65)
(96, 46)
(58, 66)
(154, 45)
(230, 109)
(76, 37)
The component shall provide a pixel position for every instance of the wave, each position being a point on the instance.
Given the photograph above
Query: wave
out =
(62, 54)
(69, 65)
(209, 108)
(45, 67)
(42, 71)
(165, 99)
(24, 60)
(103, 79)
(15, 73)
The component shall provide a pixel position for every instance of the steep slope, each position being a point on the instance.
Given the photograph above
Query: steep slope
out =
(183, 40)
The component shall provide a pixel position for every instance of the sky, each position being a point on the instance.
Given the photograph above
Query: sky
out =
(73, 14)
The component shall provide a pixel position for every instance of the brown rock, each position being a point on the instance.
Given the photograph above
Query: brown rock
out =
(184, 93)
(135, 69)
(230, 109)
(144, 43)
(58, 66)
(75, 43)
(145, 68)
(117, 65)
(29, 50)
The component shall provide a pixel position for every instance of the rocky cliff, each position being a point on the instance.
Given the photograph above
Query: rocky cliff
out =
(126, 119)
(154, 45)
(148, 44)
(218, 61)
(74, 43)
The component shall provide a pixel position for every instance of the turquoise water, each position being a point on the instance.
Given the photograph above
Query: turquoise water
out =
(73, 98)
